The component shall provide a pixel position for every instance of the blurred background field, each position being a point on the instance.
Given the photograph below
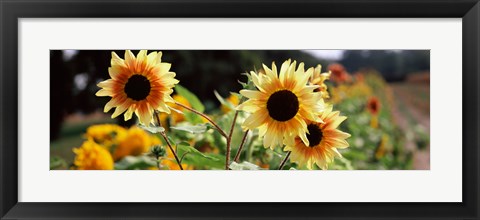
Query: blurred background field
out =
(384, 93)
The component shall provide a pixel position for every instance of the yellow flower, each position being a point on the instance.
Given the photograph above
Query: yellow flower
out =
(282, 103)
(170, 163)
(374, 121)
(105, 134)
(348, 91)
(139, 84)
(175, 116)
(382, 147)
(91, 156)
(135, 142)
(234, 100)
(318, 78)
(324, 140)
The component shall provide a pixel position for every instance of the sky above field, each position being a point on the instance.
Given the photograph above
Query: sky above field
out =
(326, 54)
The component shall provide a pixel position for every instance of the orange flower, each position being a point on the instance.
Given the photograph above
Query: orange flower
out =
(373, 105)
(339, 73)
(359, 77)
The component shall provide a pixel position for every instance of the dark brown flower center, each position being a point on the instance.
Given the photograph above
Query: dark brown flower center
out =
(282, 105)
(373, 106)
(315, 135)
(137, 87)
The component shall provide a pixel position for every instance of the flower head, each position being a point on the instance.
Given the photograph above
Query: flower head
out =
(233, 99)
(282, 103)
(373, 105)
(135, 142)
(318, 78)
(324, 140)
(339, 73)
(105, 134)
(91, 156)
(176, 116)
(359, 77)
(139, 84)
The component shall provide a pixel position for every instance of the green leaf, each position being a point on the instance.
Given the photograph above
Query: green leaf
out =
(152, 129)
(194, 129)
(244, 166)
(249, 84)
(57, 163)
(342, 164)
(193, 118)
(191, 98)
(135, 163)
(244, 85)
(183, 148)
(223, 101)
(217, 163)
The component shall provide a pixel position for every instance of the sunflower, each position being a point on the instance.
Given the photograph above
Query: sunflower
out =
(91, 156)
(318, 78)
(139, 84)
(324, 140)
(282, 103)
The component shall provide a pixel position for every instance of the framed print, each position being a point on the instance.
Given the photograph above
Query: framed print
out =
(227, 109)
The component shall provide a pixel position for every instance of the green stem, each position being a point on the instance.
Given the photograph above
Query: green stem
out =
(240, 148)
(164, 135)
(250, 147)
(204, 116)
(229, 141)
(158, 163)
(284, 161)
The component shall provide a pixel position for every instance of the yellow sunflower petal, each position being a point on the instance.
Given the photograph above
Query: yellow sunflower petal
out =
(141, 60)
(251, 94)
(130, 59)
(255, 120)
(116, 60)
(129, 113)
(104, 92)
(119, 110)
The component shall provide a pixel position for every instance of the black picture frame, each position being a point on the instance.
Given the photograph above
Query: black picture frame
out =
(12, 10)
